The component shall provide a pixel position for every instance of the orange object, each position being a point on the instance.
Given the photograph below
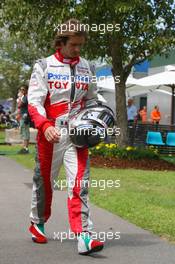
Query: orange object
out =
(155, 116)
(143, 115)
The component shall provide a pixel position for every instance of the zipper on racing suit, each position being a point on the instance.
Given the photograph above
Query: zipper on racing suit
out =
(72, 70)
(64, 121)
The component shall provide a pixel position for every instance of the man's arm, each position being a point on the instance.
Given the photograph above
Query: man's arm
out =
(36, 97)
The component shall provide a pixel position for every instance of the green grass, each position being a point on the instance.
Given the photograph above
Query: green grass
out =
(145, 198)
(2, 136)
(11, 151)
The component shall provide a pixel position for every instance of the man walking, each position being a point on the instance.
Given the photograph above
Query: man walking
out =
(59, 85)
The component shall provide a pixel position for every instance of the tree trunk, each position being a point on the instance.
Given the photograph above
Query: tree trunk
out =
(121, 114)
(120, 96)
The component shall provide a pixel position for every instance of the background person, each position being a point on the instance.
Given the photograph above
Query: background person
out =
(155, 115)
(143, 114)
(131, 112)
(24, 119)
(18, 101)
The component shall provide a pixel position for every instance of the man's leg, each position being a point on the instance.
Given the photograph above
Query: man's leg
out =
(76, 163)
(42, 190)
(48, 162)
(26, 144)
(25, 135)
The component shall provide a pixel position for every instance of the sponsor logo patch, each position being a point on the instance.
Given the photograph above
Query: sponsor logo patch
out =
(56, 76)
(64, 85)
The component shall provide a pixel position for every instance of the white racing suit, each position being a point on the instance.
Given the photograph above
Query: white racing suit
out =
(49, 104)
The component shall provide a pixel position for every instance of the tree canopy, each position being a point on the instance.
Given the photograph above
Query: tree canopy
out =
(141, 30)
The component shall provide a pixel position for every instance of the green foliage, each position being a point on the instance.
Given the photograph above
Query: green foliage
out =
(13, 75)
(27, 30)
(33, 23)
(130, 153)
(146, 29)
(13, 56)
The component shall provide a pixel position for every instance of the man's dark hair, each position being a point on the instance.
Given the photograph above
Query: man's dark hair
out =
(24, 87)
(71, 27)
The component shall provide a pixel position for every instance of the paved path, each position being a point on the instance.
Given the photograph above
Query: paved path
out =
(136, 246)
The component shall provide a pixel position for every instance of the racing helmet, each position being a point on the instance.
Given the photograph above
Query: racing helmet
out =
(88, 127)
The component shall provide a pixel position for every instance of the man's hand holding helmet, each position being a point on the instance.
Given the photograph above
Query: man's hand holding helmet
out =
(52, 134)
